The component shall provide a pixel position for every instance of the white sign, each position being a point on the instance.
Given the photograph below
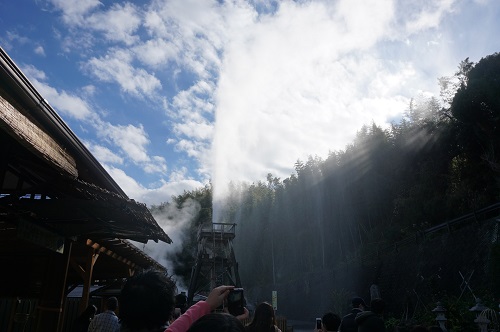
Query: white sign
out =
(275, 300)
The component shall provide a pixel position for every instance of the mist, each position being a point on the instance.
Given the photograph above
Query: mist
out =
(175, 222)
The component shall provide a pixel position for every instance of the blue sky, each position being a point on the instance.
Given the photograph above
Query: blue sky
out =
(171, 94)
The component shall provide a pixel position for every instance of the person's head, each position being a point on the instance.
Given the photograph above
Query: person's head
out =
(112, 303)
(263, 316)
(419, 328)
(147, 300)
(330, 322)
(377, 306)
(358, 303)
(217, 322)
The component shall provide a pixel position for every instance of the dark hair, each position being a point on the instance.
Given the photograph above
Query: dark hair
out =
(112, 303)
(357, 301)
(331, 321)
(419, 328)
(377, 306)
(147, 300)
(263, 318)
(217, 322)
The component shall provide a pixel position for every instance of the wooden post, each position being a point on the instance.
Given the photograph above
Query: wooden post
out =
(50, 308)
(92, 256)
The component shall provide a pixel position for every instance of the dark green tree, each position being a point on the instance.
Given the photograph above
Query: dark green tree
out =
(476, 111)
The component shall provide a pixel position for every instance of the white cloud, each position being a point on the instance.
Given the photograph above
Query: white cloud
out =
(156, 164)
(192, 107)
(64, 102)
(129, 185)
(89, 90)
(132, 140)
(191, 148)
(156, 52)
(119, 23)
(73, 11)
(39, 50)
(160, 193)
(116, 67)
(195, 31)
(359, 23)
(429, 14)
(103, 154)
(34, 73)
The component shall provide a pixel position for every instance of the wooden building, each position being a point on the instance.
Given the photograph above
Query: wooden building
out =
(63, 220)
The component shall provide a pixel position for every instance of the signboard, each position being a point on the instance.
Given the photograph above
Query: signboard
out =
(275, 299)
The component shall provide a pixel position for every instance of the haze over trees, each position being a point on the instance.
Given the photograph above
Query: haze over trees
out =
(439, 162)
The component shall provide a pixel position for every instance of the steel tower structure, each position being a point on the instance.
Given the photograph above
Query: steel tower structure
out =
(215, 260)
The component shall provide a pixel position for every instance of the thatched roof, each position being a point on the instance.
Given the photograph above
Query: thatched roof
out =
(52, 179)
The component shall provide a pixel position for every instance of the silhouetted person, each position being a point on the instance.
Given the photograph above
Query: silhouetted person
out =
(372, 321)
(217, 322)
(330, 322)
(147, 302)
(181, 302)
(264, 319)
(106, 321)
(348, 323)
(82, 322)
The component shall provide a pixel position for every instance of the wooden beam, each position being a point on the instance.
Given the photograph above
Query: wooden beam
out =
(78, 268)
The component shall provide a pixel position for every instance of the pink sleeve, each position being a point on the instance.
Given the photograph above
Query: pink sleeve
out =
(183, 323)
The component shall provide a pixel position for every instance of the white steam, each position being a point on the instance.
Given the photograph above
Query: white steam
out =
(175, 222)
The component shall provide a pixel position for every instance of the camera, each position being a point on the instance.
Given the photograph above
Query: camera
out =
(236, 302)
(318, 323)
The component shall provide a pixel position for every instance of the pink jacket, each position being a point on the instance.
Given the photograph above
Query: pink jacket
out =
(185, 321)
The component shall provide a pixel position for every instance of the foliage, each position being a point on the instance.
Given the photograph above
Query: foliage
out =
(476, 110)
(458, 315)
(494, 270)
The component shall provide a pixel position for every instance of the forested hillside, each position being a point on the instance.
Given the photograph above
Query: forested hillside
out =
(439, 162)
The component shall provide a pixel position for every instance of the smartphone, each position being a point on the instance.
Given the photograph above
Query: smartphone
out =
(318, 323)
(236, 302)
